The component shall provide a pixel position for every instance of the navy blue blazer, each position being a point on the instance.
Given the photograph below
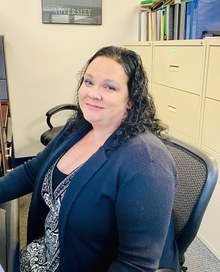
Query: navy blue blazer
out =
(116, 213)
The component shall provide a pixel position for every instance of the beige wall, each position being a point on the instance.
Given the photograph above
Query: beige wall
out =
(44, 59)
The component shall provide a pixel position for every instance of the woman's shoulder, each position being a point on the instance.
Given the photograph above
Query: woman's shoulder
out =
(147, 143)
(146, 156)
(147, 149)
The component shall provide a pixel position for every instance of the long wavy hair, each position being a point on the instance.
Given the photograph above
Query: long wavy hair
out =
(141, 116)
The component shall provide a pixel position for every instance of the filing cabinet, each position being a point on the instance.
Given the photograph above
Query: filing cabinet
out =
(177, 78)
(210, 141)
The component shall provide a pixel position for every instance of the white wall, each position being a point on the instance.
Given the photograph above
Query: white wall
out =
(44, 59)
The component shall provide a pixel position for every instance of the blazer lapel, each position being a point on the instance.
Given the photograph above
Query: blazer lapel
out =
(84, 175)
(81, 178)
(58, 152)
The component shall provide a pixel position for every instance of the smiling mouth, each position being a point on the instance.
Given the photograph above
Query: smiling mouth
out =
(91, 106)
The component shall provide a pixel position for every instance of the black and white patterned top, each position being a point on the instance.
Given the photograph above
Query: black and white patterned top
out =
(43, 254)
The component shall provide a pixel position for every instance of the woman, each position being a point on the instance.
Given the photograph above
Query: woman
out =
(103, 189)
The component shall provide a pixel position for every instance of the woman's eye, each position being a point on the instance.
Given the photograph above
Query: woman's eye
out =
(88, 82)
(110, 88)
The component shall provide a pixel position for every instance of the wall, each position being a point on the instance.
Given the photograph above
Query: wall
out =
(43, 60)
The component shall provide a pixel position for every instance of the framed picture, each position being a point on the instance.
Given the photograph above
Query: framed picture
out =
(83, 12)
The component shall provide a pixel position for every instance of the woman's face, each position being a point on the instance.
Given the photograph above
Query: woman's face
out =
(103, 95)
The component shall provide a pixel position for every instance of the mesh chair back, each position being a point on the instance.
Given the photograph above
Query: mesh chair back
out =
(197, 178)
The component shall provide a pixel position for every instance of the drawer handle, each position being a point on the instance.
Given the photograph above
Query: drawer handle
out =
(171, 108)
(174, 68)
(8, 151)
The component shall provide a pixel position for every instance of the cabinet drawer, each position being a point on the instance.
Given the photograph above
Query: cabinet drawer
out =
(213, 75)
(216, 192)
(180, 110)
(211, 125)
(145, 51)
(179, 67)
(183, 137)
(209, 229)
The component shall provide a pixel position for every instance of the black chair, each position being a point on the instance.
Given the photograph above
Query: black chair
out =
(48, 135)
(198, 175)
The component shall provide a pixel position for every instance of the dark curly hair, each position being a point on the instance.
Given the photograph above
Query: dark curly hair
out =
(142, 115)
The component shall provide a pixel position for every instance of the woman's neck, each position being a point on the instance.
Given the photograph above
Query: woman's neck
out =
(99, 135)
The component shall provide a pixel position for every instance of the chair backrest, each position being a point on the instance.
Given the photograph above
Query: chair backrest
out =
(198, 174)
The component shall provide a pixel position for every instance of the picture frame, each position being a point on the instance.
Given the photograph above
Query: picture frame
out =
(80, 12)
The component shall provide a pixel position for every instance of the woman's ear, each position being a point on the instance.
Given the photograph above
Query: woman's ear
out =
(129, 104)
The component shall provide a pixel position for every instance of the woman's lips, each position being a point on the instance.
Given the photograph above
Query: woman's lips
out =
(92, 106)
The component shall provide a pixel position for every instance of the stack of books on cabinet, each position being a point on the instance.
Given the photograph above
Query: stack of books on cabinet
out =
(178, 19)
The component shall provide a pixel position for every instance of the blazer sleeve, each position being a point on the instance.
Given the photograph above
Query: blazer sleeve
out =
(143, 212)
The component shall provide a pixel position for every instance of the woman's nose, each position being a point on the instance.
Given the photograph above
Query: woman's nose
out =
(95, 93)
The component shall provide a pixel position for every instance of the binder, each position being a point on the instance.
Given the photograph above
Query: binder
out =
(189, 7)
(158, 25)
(153, 26)
(144, 25)
(176, 20)
(182, 20)
(170, 21)
(163, 25)
(194, 19)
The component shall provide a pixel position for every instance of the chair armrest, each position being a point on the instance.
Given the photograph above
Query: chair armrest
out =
(56, 109)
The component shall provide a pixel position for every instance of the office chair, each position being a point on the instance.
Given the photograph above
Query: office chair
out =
(198, 175)
(48, 135)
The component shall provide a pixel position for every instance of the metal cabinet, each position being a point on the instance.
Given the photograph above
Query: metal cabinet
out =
(9, 230)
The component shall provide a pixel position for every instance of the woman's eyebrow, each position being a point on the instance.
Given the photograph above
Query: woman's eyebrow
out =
(111, 81)
(107, 80)
(89, 75)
